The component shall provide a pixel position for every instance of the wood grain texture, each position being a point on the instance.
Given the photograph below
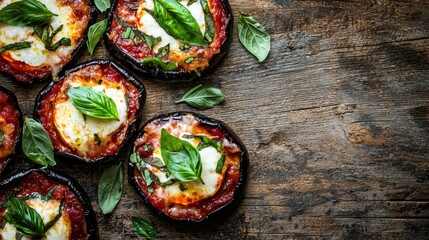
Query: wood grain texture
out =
(336, 121)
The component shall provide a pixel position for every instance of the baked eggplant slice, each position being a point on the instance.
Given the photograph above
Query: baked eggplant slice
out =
(170, 40)
(66, 110)
(10, 126)
(188, 167)
(57, 201)
(51, 44)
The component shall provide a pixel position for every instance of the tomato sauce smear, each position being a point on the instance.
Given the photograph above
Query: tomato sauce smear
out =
(9, 125)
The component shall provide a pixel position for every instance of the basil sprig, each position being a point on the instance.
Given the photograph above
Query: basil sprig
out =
(102, 5)
(156, 62)
(15, 46)
(110, 188)
(95, 32)
(36, 144)
(93, 103)
(178, 22)
(253, 37)
(203, 97)
(26, 13)
(144, 228)
(182, 159)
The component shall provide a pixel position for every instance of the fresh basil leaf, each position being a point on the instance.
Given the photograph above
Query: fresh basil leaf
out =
(253, 37)
(220, 163)
(203, 97)
(36, 144)
(144, 228)
(205, 140)
(150, 41)
(26, 13)
(94, 34)
(184, 47)
(182, 159)
(128, 33)
(163, 51)
(15, 46)
(110, 188)
(156, 62)
(93, 103)
(24, 218)
(210, 24)
(178, 22)
(102, 5)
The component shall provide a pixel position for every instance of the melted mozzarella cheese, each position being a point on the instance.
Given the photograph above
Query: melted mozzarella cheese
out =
(81, 132)
(47, 210)
(195, 190)
(148, 25)
(37, 55)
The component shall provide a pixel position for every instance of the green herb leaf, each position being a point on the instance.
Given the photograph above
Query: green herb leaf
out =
(191, 59)
(203, 97)
(128, 33)
(55, 219)
(182, 159)
(208, 19)
(94, 34)
(178, 22)
(110, 188)
(220, 163)
(184, 47)
(163, 51)
(190, 2)
(144, 228)
(156, 62)
(253, 37)
(24, 218)
(36, 144)
(148, 180)
(26, 13)
(102, 5)
(15, 46)
(93, 103)
(206, 142)
(150, 41)
(1, 138)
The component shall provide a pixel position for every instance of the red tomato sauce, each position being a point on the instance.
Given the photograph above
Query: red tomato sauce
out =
(9, 125)
(39, 183)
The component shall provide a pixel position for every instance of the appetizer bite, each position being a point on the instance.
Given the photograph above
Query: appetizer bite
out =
(170, 39)
(10, 126)
(188, 167)
(39, 37)
(91, 111)
(42, 204)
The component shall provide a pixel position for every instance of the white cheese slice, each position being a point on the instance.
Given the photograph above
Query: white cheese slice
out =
(47, 210)
(148, 25)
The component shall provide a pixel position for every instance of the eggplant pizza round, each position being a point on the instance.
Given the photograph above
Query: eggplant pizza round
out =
(10, 126)
(188, 167)
(39, 37)
(42, 204)
(91, 111)
(170, 39)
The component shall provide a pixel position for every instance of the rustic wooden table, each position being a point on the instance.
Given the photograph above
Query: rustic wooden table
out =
(336, 121)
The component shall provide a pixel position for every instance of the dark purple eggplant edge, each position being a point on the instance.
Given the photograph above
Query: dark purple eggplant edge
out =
(239, 189)
(131, 127)
(71, 183)
(17, 144)
(77, 52)
(158, 74)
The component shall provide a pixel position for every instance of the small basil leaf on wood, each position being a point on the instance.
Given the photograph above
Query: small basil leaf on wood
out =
(220, 163)
(26, 13)
(182, 159)
(203, 97)
(163, 51)
(36, 144)
(94, 34)
(102, 5)
(178, 22)
(110, 188)
(24, 218)
(253, 37)
(15, 46)
(144, 228)
(93, 103)
(156, 62)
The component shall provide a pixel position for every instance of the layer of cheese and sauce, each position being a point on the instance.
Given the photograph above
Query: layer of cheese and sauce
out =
(37, 56)
(47, 210)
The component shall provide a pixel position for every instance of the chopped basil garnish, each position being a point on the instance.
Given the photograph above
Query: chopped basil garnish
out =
(205, 142)
(148, 180)
(156, 62)
(190, 2)
(1, 138)
(220, 163)
(150, 41)
(46, 36)
(191, 59)
(15, 46)
(210, 25)
(163, 51)
(128, 33)
(184, 47)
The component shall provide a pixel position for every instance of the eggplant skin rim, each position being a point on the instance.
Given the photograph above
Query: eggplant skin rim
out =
(242, 179)
(161, 75)
(132, 126)
(77, 52)
(17, 145)
(71, 183)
